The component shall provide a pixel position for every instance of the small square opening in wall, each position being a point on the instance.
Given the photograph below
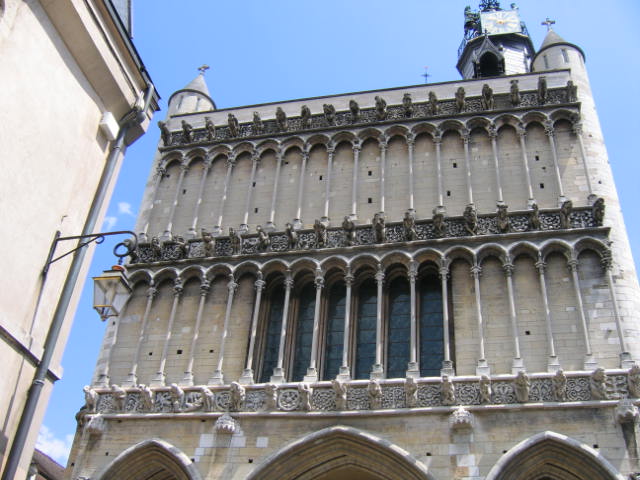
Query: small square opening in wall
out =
(150, 353)
(286, 163)
(211, 350)
(253, 184)
(369, 200)
(455, 164)
(179, 351)
(184, 190)
(542, 185)
(527, 332)
(537, 158)
(544, 169)
(320, 178)
(448, 193)
(255, 210)
(369, 173)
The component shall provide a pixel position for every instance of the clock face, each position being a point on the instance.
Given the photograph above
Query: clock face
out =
(505, 21)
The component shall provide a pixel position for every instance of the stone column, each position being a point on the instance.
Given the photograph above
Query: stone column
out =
(437, 140)
(218, 377)
(327, 188)
(413, 369)
(312, 371)
(522, 133)
(517, 363)
(383, 165)
(297, 222)
(196, 212)
(247, 374)
(447, 363)
(255, 158)
(411, 141)
(354, 188)
(548, 129)
(577, 129)
(483, 367)
(378, 369)
(188, 373)
(159, 379)
(467, 162)
(625, 357)
(493, 135)
(589, 362)
(103, 378)
(271, 226)
(132, 379)
(231, 161)
(345, 369)
(552, 364)
(184, 168)
(278, 373)
(160, 173)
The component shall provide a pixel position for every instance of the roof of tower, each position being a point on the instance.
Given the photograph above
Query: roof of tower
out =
(198, 86)
(552, 39)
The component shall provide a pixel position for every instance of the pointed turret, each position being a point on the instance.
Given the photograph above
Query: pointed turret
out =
(555, 52)
(193, 98)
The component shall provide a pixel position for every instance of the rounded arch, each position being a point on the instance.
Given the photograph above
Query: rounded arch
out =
(337, 449)
(507, 119)
(267, 145)
(534, 117)
(293, 143)
(243, 147)
(153, 458)
(173, 157)
(424, 127)
(593, 244)
(451, 125)
(482, 123)
(550, 453)
(343, 136)
(193, 271)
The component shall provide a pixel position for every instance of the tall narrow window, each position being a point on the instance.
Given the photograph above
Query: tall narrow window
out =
(399, 328)
(303, 333)
(431, 335)
(272, 335)
(366, 330)
(335, 332)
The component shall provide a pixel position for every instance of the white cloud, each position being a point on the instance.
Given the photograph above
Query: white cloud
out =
(124, 207)
(56, 448)
(109, 223)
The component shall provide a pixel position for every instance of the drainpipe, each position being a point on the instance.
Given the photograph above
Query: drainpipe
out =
(133, 117)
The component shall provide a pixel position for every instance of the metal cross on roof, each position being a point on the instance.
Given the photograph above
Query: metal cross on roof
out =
(548, 22)
(426, 74)
(203, 68)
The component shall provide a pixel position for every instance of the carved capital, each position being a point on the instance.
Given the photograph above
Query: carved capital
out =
(232, 284)
(184, 166)
(255, 157)
(356, 146)
(572, 264)
(508, 269)
(465, 135)
(444, 272)
(348, 279)
(411, 140)
(548, 128)
(412, 272)
(379, 276)
(231, 160)
(577, 128)
(205, 286)
(331, 148)
(541, 266)
(288, 280)
(161, 171)
(607, 260)
(492, 131)
(476, 271)
(152, 292)
(177, 288)
(319, 279)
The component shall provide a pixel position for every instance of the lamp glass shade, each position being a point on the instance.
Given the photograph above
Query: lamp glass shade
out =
(110, 292)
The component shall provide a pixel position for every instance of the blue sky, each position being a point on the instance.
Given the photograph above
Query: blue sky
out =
(263, 51)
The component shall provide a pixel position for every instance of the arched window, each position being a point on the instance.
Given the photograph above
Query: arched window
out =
(365, 347)
(399, 328)
(334, 335)
(272, 334)
(490, 65)
(303, 333)
(430, 325)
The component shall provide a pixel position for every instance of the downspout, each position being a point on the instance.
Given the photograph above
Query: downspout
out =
(133, 117)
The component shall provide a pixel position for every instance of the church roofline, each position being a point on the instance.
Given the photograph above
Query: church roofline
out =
(567, 44)
(190, 90)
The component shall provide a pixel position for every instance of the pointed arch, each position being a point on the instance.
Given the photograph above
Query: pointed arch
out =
(336, 449)
(552, 455)
(151, 459)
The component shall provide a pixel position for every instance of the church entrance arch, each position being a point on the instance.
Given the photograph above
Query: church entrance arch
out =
(152, 459)
(552, 456)
(340, 453)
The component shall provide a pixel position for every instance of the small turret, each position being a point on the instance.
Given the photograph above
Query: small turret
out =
(193, 98)
(555, 52)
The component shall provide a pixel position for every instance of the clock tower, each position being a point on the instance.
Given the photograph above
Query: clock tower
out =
(496, 42)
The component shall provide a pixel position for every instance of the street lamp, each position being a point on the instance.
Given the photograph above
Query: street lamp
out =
(110, 292)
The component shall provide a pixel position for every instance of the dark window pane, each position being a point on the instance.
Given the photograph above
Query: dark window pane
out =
(399, 330)
(335, 332)
(304, 333)
(431, 337)
(272, 337)
(366, 330)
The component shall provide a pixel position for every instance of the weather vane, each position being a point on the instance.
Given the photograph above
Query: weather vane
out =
(203, 68)
(426, 74)
(548, 22)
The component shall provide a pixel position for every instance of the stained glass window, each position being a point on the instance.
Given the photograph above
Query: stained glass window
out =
(334, 332)
(431, 335)
(303, 333)
(366, 330)
(272, 336)
(399, 328)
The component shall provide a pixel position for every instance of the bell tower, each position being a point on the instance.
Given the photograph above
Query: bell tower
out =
(496, 42)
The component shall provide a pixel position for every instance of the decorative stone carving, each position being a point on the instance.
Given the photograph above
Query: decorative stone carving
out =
(379, 229)
(633, 381)
(257, 127)
(182, 246)
(96, 425)
(305, 116)
(289, 400)
(502, 219)
(485, 389)
(349, 229)
(292, 236)
(447, 391)
(235, 237)
(626, 412)
(521, 386)
(488, 102)
(514, 93)
(237, 392)
(560, 386)
(305, 392)
(381, 108)
(410, 392)
(90, 399)
(208, 399)
(226, 424)
(187, 132)
(461, 419)
(271, 396)
(119, 397)
(571, 92)
(542, 90)
(434, 107)
(281, 119)
(263, 239)
(177, 398)
(565, 214)
(598, 211)
(598, 384)
(340, 390)
(354, 108)
(407, 105)
(146, 397)
(320, 230)
(439, 226)
(329, 113)
(470, 220)
(409, 226)
(460, 99)
(210, 128)
(156, 249)
(375, 394)
(165, 134)
(534, 217)
(234, 126)
(208, 243)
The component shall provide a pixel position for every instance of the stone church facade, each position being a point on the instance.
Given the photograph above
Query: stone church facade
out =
(426, 282)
